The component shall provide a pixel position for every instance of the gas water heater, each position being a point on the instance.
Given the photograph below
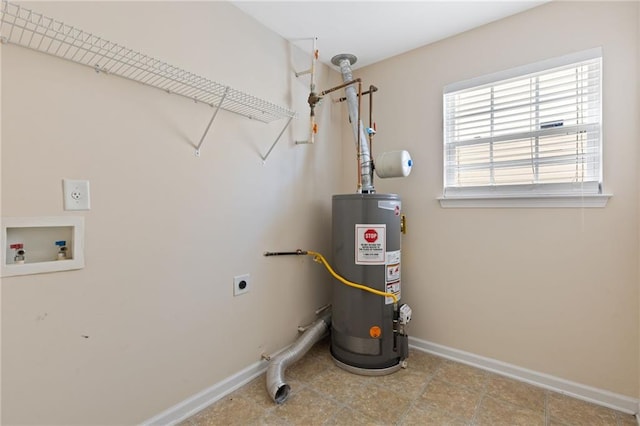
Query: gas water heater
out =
(367, 331)
(367, 320)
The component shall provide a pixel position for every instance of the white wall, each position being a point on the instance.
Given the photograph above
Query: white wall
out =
(167, 231)
(552, 290)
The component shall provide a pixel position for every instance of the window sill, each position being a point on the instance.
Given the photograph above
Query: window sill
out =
(537, 201)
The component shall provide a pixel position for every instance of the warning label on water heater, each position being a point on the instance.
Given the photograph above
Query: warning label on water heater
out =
(371, 243)
(392, 278)
(392, 288)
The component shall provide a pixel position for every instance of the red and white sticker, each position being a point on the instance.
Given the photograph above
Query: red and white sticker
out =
(371, 241)
(393, 273)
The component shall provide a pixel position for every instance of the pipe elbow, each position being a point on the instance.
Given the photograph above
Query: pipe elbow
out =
(277, 387)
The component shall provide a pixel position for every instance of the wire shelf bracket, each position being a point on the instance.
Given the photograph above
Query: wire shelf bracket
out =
(211, 122)
(32, 30)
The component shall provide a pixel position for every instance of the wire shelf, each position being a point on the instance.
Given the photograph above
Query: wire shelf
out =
(35, 31)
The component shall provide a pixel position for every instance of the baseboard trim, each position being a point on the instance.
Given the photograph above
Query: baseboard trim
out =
(201, 400)
(586, 393)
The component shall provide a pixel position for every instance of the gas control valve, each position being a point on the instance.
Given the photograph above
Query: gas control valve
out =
(404, 314)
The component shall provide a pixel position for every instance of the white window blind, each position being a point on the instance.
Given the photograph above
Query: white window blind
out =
(531, 130)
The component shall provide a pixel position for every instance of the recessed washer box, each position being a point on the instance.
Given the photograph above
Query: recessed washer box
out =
(49, 244)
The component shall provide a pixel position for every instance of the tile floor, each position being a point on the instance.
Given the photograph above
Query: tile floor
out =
(431, 391)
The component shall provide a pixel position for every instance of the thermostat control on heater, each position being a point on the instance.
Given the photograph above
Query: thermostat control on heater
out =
(404, 314)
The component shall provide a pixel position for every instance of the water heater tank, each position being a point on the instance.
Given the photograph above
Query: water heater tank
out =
(365, 336)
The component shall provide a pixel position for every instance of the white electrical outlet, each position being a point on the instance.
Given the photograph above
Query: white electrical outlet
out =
(76, 194)
(241, 284)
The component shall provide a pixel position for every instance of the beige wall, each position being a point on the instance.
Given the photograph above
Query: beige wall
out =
(552, 290)
(167, 231)
(0, 216)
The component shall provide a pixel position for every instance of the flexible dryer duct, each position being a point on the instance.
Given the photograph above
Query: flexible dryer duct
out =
(344, 61)
(276, 385)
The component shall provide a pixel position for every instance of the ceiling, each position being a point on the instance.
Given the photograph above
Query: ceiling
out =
(375, 30)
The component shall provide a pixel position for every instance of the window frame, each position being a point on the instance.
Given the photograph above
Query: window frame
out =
(527, 195)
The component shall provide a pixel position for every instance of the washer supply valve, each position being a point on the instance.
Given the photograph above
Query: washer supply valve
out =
(20, 253)
(62, 249)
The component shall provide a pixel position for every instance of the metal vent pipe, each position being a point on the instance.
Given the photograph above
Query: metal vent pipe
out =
(344, 61)
(277, 387)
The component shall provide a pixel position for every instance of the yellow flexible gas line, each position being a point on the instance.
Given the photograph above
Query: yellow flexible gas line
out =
(320, 259)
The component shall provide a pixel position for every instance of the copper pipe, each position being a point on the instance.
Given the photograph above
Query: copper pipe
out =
(371, 109)
(348, 83)
(372, 89)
